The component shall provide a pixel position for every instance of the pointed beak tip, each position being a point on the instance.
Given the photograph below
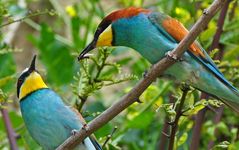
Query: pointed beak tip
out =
(33, 66)
(80, 57)
(89, 48)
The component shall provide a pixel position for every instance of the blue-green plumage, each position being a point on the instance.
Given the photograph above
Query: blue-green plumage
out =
(145, 34)
(153, 34)
(49, 121)
(140, 34)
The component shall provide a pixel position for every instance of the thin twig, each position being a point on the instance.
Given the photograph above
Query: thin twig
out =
(220, 23)
(82, 102)
(164, 137)
(23, 18)
(174, 126)
(109, 136)
(152, 74)
(101, 66)
(10, 132)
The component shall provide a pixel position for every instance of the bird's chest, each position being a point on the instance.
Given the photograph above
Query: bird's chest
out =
(43, 122)
(144, 37)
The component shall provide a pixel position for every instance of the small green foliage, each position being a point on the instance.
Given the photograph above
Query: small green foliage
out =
(22, 13)
(182, 139)
(221, 146)
(95, 73)
(215, 103)
(195, 108)
(3, 97)
(170, 111)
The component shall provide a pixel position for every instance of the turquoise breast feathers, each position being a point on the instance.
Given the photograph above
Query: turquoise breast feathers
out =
(47, 119)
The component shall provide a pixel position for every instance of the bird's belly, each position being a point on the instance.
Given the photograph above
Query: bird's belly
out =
(184, 72)
(47, 131)
(43, 126)
(191, 72)
(188, 70)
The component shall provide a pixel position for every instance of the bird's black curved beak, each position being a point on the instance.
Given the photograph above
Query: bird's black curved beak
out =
(89, 48)
(33, 66)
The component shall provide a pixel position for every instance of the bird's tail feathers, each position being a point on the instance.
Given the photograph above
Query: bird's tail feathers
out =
(232, 103)
(95, 143)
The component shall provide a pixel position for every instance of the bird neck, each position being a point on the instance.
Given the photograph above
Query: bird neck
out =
(32, 83)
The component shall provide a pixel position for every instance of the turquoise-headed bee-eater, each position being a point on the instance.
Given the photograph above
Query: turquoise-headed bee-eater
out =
(49, 121)
(153, 34)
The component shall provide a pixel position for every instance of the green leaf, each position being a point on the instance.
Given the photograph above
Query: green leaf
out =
(5, 80)
(182, 139)
(7, 69)
(207, 34)
(75, 25)
(104, 131)
(196, 107)
(230, 55)
(221, 146)
(222, 127)
(113, 147)
(141, 121)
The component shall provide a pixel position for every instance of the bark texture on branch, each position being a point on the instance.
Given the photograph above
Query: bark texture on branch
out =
(9, 129)
(142, 85)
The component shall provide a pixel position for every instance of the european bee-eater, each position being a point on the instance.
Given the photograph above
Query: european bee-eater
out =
(153, 34)
(49, 121)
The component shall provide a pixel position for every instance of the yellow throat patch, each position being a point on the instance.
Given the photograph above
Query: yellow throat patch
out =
(105, 38)
(32, 83)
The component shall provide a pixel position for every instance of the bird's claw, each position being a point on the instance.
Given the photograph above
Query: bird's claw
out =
(205, 12)
(172, 56)
(145, 73)
(84, 127)
(74, 131)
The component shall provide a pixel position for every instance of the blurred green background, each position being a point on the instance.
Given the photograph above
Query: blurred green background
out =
(57, 31)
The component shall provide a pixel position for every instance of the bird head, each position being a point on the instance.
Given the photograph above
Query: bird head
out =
(29, 81)
(106, 35)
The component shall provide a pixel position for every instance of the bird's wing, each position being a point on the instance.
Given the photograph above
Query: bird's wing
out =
(175, 31)
(79, 115)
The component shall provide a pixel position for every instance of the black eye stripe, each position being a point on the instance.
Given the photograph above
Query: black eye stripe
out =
(20, 81)
(102, 26)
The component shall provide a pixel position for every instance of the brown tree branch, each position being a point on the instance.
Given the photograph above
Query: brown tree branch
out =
(174, 126)
(220, 23)
(163, 139)
(10, 132)
(152, 74)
